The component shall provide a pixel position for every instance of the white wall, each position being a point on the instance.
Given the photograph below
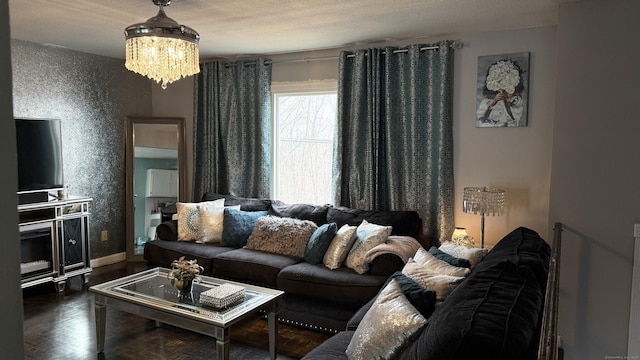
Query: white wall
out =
(595, 181)
(11, 300)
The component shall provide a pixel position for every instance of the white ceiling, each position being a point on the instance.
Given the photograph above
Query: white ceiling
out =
(251, 27)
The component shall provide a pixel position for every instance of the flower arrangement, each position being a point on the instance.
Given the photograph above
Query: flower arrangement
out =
(183, 272)
(503, 76)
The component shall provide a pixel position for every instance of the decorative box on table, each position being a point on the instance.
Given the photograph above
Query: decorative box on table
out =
(222, 296)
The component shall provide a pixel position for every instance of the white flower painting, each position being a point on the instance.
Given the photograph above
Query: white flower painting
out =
(502, 88)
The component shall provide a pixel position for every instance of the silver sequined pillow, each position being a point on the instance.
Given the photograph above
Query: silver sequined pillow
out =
(474, 255)
(443, 285)
(368, 236)
(339, 247)
(211, 223)
(189, 219)
(431, 262)
(398, 319)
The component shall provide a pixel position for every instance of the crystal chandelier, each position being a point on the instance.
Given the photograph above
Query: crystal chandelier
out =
(161, 49)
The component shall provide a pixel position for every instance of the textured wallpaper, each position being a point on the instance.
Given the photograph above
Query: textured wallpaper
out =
(91, 95)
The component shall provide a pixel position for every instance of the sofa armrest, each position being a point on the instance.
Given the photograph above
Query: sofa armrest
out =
(386, 265)
(355, 320)
(168, 230)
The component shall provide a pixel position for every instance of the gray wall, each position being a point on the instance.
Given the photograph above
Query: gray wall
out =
(11, 300)
(91, 95)
(595, 178)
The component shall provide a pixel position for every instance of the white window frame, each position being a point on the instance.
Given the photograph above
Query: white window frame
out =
(278, 89)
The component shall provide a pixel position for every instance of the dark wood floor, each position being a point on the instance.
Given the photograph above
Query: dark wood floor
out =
(61, 326)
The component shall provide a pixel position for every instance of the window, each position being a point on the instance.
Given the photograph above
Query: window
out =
(304, 126)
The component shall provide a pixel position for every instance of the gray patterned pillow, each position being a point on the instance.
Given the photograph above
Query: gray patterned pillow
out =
(189, 219)
(401, 321)
(339, 247)
(368, 236)
(284, 236)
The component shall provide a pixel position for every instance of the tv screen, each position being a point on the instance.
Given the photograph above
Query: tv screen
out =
(39, 144)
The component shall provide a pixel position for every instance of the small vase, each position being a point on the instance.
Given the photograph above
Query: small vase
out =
(184, 286)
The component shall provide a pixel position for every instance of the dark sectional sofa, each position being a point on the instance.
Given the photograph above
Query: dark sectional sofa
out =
(315, 296)
(495, 313)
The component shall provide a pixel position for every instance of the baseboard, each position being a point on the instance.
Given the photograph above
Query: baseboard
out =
(108, 260)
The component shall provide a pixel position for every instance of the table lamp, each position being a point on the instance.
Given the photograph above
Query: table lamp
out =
(483, 201)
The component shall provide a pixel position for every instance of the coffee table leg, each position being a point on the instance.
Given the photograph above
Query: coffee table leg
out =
(222, 343)
(101, 317)
(273, 331)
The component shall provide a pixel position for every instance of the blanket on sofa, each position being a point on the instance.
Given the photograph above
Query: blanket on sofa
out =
(404, 247)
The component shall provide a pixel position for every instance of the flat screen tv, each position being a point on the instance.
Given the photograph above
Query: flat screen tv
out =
(39, 144)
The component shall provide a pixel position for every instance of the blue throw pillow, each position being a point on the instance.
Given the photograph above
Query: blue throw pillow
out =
(237, 226)
(319, 243)
(452, 260)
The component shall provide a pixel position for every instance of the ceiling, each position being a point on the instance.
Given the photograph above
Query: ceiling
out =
(261, 27)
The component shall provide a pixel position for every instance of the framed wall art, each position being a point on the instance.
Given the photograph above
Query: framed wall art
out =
(502, 90)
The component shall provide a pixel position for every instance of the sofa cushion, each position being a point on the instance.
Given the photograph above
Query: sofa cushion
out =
(238, 225)
(284, 236)
(319, 243)
(443, 285)
(168, 230)
(452, 260)
(406, 223)
(162, 253)
(339, 247)
(246, 204)
(333, 348)
(315, 213)
(368, 236)
(251, 266)
(342, 285)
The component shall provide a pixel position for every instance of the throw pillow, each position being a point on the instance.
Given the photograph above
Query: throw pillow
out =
(424, 258)
(460, 262)
(400, 320)
(211, 223)
(474, 255)
(188, 218)
(339, 247)
(319, 243)
(424, 300)
(284, 236)
(238, 225)
(443, 285)
(367, 237)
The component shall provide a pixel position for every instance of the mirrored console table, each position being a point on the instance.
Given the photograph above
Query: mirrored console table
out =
(54, 241)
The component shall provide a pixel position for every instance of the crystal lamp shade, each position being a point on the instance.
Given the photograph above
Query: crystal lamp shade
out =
(162, 50)
(483, 201)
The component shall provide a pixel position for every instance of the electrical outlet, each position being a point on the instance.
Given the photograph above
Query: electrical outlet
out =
(104, 235)
(636, 230)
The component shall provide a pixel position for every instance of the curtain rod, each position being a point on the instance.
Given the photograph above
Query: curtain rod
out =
(456, 44)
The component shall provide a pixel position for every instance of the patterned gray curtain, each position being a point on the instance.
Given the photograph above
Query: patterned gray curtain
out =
(395, 144)
(232, 129)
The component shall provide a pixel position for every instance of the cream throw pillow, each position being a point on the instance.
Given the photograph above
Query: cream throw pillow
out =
(189, 219)
(443, 285)
(426, 259)
(339, 247)
(368, 236)
(211, 223)
(387, 326)
(474, 255)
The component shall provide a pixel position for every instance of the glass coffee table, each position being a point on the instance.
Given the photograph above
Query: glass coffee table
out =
(150, 294)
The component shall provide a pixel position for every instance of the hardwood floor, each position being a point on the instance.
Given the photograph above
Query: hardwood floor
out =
(62, 326)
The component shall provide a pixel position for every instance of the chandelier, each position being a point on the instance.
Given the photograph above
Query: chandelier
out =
(161, 49)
